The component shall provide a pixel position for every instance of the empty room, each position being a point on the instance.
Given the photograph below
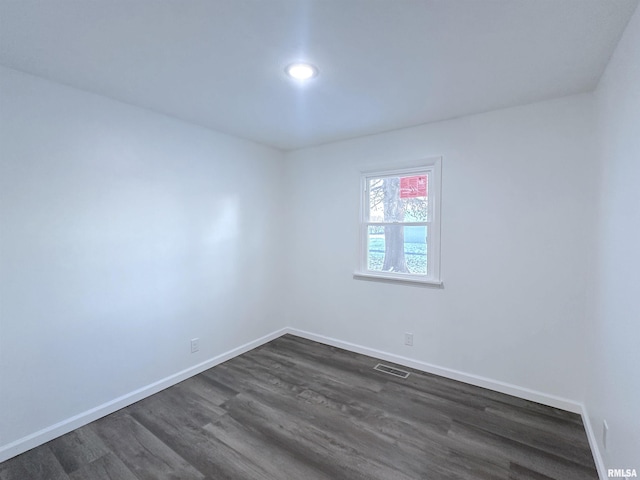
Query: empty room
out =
(319, 239)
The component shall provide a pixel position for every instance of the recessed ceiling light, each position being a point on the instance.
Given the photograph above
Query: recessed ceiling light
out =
(301, 71)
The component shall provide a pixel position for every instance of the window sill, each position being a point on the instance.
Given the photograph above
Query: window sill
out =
(397, 278)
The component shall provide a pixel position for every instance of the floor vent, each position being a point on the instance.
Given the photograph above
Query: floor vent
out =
(391, 371)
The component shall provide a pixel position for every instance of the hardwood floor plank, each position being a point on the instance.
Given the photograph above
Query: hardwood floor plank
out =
(261, 451)
(554, 443)
(189, 438)
(214, 393)
(78, 448)
(468, 438)
(36, 464)
(331, 445)
(472, 466)
(141, 451)
(363, 419)
(518, 472)
(107, 467)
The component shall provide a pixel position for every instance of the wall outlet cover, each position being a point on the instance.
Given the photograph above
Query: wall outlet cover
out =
(408, 339)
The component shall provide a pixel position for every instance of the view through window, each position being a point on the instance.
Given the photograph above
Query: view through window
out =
(400, 228)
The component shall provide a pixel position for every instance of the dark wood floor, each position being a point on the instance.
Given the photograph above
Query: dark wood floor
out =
(299, 410)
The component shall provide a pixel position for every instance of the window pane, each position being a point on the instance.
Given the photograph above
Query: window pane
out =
(398, 199)
(394, 248)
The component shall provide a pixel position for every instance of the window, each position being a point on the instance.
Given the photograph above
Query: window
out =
(400, 224)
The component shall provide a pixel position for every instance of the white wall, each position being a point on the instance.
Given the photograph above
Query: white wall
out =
(517, 222)
(614, 380)
(124, 234)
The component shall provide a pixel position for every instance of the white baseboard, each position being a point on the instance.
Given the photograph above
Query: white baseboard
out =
(593, 443)
(498, 386)
(49, 433)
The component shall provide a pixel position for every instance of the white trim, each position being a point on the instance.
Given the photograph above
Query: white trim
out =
(65, 426)
(436, 217)
(395, 169)
(477, 380)
(593, 443)
(49, 433)
(398, 224)
(397, 278)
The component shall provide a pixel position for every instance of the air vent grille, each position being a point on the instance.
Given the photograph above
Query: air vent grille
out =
(391, 371)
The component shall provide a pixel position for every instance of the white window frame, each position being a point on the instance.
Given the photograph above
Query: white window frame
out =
(433, 168)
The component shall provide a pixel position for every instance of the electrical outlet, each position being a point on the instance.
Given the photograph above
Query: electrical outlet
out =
(605, 434)
(195, 345)
(408, 339)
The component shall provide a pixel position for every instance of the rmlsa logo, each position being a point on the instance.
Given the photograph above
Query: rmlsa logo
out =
(622, 473)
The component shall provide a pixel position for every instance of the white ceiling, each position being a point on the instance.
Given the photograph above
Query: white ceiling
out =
(384, 64)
